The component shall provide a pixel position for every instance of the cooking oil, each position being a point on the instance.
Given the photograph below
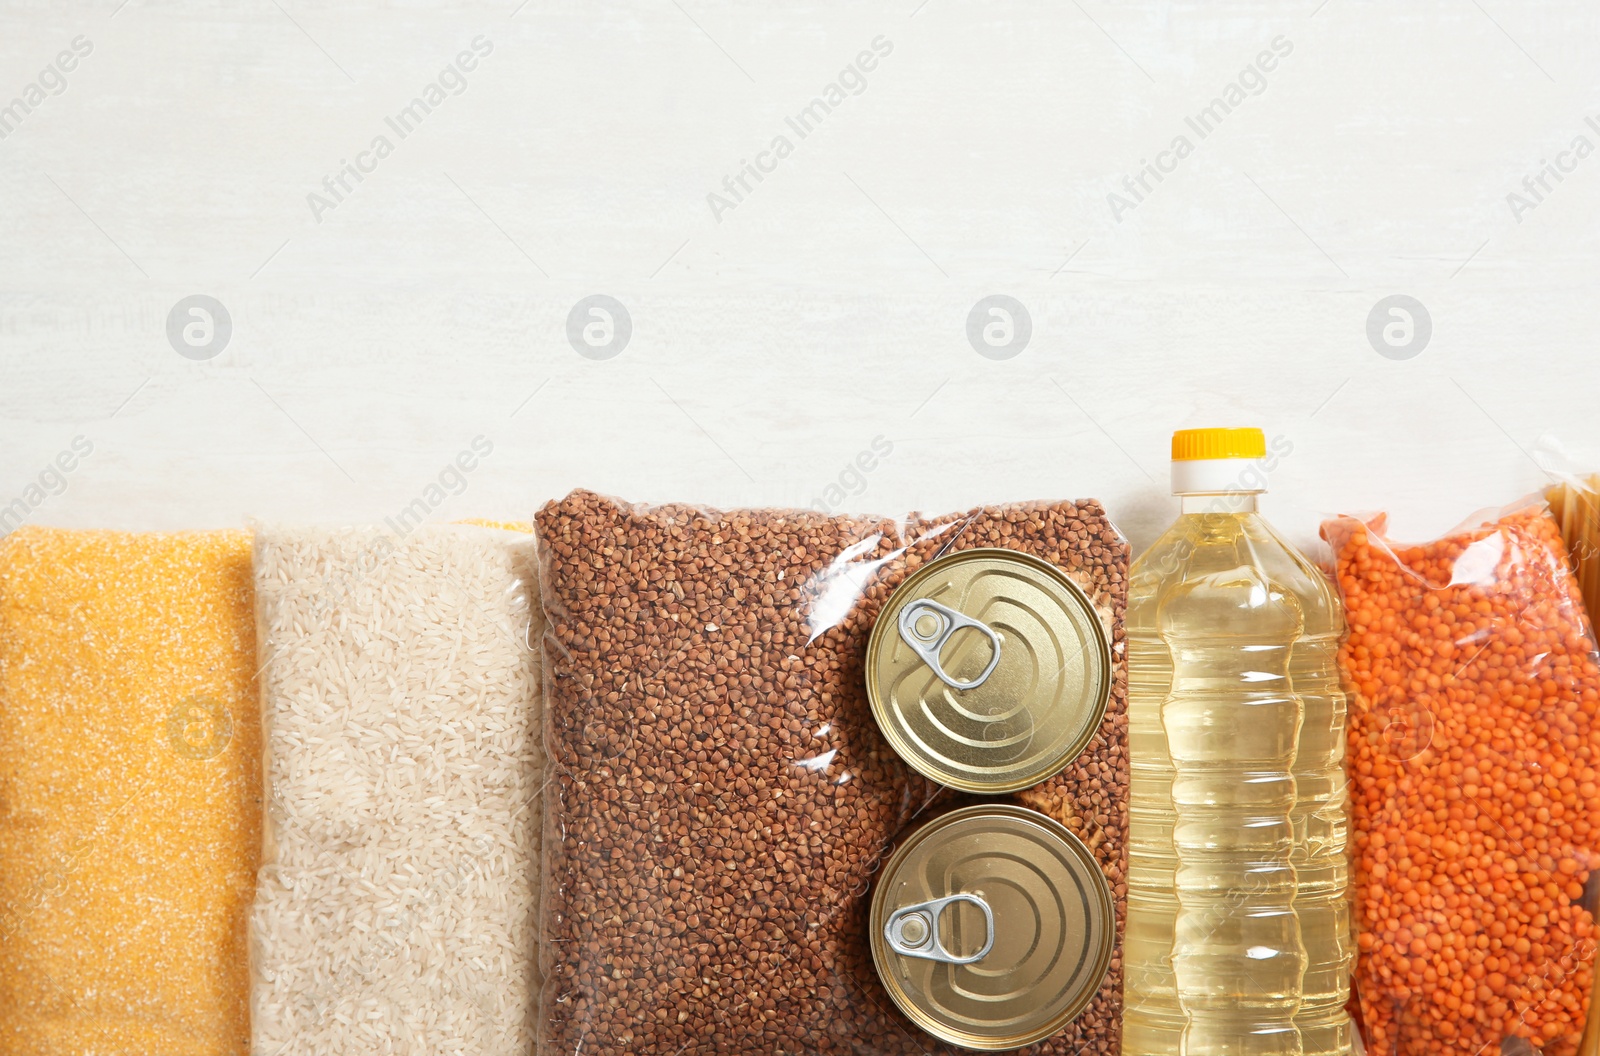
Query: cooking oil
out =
(1239, 939)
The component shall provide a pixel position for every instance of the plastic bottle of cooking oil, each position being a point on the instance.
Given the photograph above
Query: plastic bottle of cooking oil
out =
(1239, 938)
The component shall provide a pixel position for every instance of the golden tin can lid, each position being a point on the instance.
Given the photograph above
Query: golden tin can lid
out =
(992, 927)
(988, 670)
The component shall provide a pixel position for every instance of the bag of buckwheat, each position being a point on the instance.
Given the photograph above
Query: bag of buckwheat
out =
(720, 797)
(396, 908)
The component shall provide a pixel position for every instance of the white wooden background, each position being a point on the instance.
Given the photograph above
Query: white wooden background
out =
(774, 343)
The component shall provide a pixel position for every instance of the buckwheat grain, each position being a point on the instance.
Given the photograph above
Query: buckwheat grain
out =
(721, 797)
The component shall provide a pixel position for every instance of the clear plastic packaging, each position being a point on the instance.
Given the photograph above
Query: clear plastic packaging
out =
(720, 797)
(396, 908)
(130, 814)
(1475, 771)
(1575, 504)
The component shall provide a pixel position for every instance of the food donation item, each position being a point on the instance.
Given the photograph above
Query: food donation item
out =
(1476, 803)
(397, 903)
(1576, 508)
(720, 797)
(1239, 935)
(992, 927)
(988, 670)
(130, 817)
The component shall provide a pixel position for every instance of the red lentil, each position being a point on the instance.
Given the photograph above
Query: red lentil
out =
(1473, 763)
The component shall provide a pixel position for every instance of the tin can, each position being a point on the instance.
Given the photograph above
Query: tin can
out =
(992, 927)
(988, 670)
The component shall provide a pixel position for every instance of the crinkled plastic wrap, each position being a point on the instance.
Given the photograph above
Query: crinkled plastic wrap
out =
(396, 907)
(130, 813)
(1475, 770)
(720, 796)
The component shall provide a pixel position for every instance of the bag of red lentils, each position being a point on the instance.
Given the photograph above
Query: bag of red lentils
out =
(720, 798)
(1475, 771)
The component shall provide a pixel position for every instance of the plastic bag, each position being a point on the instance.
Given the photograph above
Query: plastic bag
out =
(129, 792)
(1474, 752)
(396, 907)
(720, 796)
(1575, 504)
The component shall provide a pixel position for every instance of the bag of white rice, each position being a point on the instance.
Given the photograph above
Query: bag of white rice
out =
(396, 905)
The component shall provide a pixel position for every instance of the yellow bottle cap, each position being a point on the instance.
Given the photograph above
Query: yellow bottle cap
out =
(1193, 445)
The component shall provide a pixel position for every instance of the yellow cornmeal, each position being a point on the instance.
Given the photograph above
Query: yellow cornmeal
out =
(510, 526)
(130, 811)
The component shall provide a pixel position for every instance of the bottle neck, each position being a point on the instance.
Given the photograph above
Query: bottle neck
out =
(1234, 502)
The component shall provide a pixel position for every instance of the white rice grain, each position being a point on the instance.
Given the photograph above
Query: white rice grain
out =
(396, 911)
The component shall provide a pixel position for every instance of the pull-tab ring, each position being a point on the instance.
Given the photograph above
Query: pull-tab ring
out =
(947, 622)
(913, 931)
